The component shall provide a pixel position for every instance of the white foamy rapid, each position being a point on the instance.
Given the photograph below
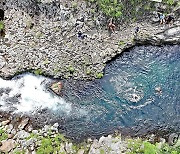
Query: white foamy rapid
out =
(28, 94)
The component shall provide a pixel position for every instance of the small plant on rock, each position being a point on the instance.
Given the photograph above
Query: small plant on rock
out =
(121, 43)
(38, 72)
(88, 72)
(3, 135)
(2, 26)
(71, 69)
(99, 75)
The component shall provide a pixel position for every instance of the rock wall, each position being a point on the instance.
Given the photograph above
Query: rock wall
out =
(42, 35)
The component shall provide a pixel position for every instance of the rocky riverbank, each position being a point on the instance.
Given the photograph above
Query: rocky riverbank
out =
(17, 136)
(42, 37)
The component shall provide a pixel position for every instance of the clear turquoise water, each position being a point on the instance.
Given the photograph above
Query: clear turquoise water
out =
(96, 108)
(108, 102)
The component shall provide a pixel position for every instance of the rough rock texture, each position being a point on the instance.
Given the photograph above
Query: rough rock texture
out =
(7, 145)
(43, 36)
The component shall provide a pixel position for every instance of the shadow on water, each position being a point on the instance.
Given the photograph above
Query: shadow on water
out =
(138, 95)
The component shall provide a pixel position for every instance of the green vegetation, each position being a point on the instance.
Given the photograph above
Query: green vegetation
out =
(53, 144)
(46, 61)
(50, 144)
(32, 135)
(121, 43)
(19, 152)
(3, 135)
(2, 26)
(38, 72)
(88, 72)
(39, 35)
(169, 2)
(74, 5)
(102, 151)
(137, 146)
(99, 75)
(71, 69)
(111, 8)
(123, 9)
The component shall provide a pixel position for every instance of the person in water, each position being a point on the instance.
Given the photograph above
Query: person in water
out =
(158, 90)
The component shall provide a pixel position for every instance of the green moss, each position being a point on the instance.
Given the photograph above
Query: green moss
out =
(51, 144)
(121, 43)
(46, 146)
(145, 147)
(71, 69)
(38, 72)
(32, 135)
(102, 151)
(74, 5)
(99, 75)
(88, 72)
(169, 2)
(2, 26)
(19, 152)
(39, 35)
(3, 135)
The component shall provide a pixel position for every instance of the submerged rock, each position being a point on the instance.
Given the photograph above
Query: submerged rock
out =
(56, 87)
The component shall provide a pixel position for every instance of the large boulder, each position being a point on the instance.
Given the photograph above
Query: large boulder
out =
(7, 145)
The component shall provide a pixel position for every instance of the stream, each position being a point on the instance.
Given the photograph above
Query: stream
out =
(138, 95)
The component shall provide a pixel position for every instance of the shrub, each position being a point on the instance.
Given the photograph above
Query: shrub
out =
(99, 75)
(3, 135)
(111, 8)
(71, 69)
(138, 146)
(88, 72)
(38, 72)
(169, 2)
(46, 146)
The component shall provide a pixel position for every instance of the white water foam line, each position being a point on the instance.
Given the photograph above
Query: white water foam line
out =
(33, 95)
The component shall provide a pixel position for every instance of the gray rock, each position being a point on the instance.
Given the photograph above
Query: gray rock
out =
(56, 125)
(9, 128)
(68, 147)
(173, 31)
(22, 134)
(80, 151)
(23, 123)
(35, 131)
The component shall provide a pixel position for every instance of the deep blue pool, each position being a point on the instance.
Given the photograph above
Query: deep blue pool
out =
(126, 97)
